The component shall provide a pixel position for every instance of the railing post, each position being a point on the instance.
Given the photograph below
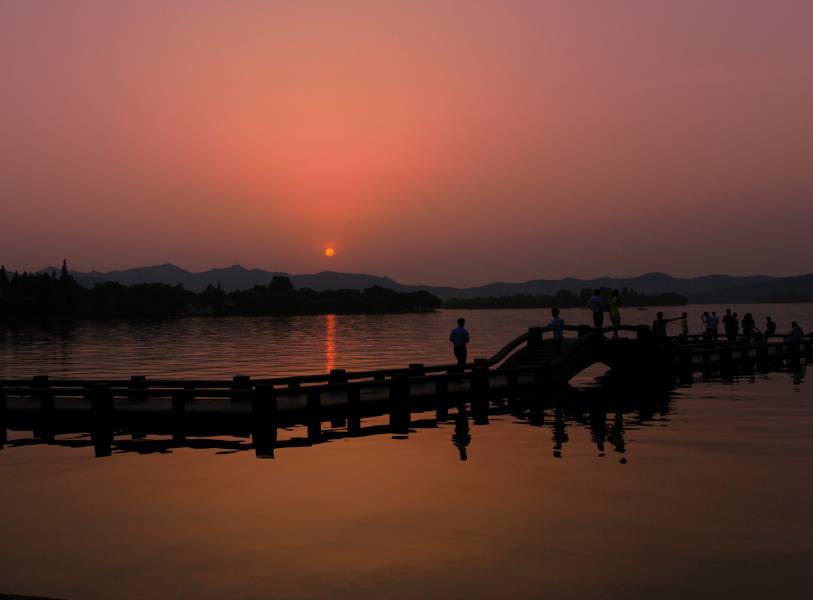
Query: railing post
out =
(46, 400)
(513, 392)
(101, 410)
(314, 416)
(417, 369)
(706, 360)
(534, 336)
(353, 409)
(179, 399)
(442, 400)
(337, 376)
(3, 435)
(240, 383)
(794, 356)
(779, 355)
(685, 365)
(480, 387)
(762, 355)
(264, 420)
(399, 403)
(726, 360)
(138, 388)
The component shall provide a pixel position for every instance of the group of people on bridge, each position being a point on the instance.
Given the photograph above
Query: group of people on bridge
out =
(733, 327)
(746, 329)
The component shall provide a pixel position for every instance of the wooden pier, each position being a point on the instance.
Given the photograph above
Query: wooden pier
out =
(524, 368)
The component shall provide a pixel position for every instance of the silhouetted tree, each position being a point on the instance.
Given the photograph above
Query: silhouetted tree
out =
(64, 274)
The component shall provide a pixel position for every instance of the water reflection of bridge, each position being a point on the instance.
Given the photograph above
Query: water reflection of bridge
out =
(523, 377)
(602, 414)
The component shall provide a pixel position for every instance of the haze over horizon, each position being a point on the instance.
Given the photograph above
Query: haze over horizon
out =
(457, 143)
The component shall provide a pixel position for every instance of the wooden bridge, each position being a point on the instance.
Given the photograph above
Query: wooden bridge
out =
(524, 368)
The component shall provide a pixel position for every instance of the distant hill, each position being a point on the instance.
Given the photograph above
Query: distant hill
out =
(708, 288)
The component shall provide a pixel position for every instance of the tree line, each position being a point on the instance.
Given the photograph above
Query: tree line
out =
(566, 299)
(59, 295)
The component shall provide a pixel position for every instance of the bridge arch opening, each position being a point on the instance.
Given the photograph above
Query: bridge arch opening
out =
(589, 376)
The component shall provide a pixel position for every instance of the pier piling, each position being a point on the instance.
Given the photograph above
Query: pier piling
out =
(314, 405)
(264, 421)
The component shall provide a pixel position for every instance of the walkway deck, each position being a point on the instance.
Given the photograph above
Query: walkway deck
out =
(526, 366)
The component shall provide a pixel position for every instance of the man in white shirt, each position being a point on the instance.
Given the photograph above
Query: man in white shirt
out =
(557, 326)
(596, 304)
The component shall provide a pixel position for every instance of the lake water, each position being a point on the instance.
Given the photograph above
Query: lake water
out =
(265, 346)
(703, 492)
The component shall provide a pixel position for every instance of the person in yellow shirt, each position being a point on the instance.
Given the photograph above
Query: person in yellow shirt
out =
(615, 311)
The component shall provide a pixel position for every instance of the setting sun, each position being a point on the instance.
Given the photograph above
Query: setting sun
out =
(329, 252)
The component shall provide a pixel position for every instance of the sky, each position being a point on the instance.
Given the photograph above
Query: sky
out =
(442, 142)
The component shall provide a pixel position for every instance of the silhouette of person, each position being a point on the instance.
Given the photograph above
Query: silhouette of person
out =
(730, 325)
(557, 326)
(770, 326)
(706, 319)
(659, 324)
(596, 304)
(749, 326)
(713, 324)
(796, 334)
(615, 311)
(684, 325)
(459, 338)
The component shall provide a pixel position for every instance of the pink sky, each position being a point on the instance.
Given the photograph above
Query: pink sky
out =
(435, 142)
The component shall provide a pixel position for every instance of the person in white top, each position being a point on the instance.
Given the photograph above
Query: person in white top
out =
(557, 326)
(596, 304)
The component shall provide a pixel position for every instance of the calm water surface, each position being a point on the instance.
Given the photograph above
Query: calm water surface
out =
(703, 492)
(279, 346)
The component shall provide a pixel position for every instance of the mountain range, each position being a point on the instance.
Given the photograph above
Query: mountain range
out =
(708, 288)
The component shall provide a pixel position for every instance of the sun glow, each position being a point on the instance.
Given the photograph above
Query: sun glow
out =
(329, 252)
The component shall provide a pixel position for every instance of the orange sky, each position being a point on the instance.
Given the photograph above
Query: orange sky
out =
(435, 142)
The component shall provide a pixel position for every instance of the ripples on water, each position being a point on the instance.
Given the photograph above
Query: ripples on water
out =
(280, 346)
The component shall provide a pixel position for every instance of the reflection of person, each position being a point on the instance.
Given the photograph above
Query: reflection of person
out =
(459, 338)
(596, 304)
(557, 326)
(616, 437)
(560, 436)
(461, 438)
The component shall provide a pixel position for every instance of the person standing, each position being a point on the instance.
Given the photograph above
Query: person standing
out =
(796, 333)
(557, 326)
(706, 318)
(659, 324)
(770, 327)
(596, 304)
(615, 311)
(730, 325)
(713, 324)
(684, 325)
(749, 326)
(459, 338)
